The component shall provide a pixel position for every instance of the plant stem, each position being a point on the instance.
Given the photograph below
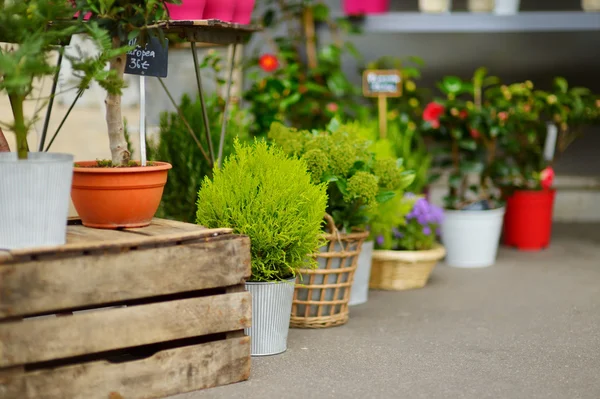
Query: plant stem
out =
(120, 154)
(16, 102)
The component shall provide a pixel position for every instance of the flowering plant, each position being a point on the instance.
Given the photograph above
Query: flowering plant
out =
(419, 231)
(358, 182)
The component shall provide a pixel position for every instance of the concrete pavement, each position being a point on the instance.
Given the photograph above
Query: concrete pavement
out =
(528, 327)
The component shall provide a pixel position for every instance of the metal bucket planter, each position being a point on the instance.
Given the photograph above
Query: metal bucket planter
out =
(360, 287)
(321, 296)
(34, 199)
(271, 304)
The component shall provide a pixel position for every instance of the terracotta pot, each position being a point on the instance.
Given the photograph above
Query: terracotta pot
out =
(243, 11)
(188, 10)
(111, 198)
(220, 9)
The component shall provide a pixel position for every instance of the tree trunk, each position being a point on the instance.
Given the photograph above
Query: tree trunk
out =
(3, 143)
(118, 145)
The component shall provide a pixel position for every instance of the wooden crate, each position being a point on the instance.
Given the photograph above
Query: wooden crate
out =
(135, 313)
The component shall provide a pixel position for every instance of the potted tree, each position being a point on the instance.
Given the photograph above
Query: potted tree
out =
(118, 192)
(525, 175)
(357, 182)
(262, 193)
(474, 212)
(407, 230)
(35, 186)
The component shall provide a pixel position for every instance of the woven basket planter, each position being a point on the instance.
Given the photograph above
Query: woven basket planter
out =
(403, 270)
(321, 296)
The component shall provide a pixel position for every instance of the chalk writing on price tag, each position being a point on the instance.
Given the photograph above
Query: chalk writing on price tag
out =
(150, 60)
(382, 83)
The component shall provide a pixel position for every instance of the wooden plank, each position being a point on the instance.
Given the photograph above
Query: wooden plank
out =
(45, 286)
(39, 340)
(133, 240)
(82, 234)
(164, 226)
(58, 284)
(166, 373)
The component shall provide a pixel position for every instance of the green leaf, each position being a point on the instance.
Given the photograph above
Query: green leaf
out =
(333, 125)
(407, 177)
(561, 84)
(342, 186)
(455, 180)
(321, 12)
(328, 177)
(471, 167)
(468, 144)
(452, 85)
(353, 50)
(385, 196)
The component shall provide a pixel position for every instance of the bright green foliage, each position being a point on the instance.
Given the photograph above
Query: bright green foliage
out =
(176, 146)
(389, 215)
(357, 180)
(262, 193)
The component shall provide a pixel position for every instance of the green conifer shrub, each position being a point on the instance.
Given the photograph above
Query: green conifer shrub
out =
(262, 193)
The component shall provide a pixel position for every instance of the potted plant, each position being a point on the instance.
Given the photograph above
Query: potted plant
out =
(118, 192)
(481, 5)
(263, 194)
(35, 185)
(525, 175)
(407, 248)
(507, 7)
(590, 5)
(187, 10)
(357, 182)
(435, 6)
(473, 210)
(361, 7)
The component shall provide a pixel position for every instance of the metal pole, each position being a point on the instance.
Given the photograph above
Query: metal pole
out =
(204, 113)
(225, 111)
(143, 120)
(51, 102)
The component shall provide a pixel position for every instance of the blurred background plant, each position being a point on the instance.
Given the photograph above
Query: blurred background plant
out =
(299, 81)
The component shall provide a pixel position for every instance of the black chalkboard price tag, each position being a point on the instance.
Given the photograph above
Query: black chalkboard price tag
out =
(151, 60)
(382, 83)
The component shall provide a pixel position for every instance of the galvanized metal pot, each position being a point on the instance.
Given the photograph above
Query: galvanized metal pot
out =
(34, 199)
(360, 286)
(271, 309)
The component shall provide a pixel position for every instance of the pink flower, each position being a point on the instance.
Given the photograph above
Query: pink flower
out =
(503, 116)
(432, 113)
(547, 177)
(268, 62)
(332, 107)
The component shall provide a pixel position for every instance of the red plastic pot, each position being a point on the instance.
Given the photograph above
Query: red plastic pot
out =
(243, 11)
(361, 7)
(188, 10)
(220, 9)
(528, 219)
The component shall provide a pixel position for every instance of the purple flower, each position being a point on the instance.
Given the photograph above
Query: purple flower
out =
(427, 230)
(379, 240)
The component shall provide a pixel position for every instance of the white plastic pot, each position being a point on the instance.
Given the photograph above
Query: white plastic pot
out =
(362, 275)
(34, 199)
(471, 238)
(507, 7)
(435, 6)
(481, 5)
(590, 5)
(271, 311)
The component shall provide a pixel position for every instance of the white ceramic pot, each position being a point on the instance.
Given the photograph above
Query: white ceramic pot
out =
(362, 275)
(34, 199)
(471, 237)
(435, 6)
(590, 5)
(481, 5)
(507, 7)
(271, 310)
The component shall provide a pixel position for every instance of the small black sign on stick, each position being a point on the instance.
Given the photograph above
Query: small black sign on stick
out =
(151, 60)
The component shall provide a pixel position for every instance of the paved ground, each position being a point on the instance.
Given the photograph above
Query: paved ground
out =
(529, 327)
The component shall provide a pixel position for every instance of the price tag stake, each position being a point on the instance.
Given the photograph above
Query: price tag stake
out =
(382, 83)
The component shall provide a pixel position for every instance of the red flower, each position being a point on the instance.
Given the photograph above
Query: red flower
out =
(475, 134)
(432, 114)
(463, 114)
(268, 62)
(332, 107)
(547, 177)
(503, 116)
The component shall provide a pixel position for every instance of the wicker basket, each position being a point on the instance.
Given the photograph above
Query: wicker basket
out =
(403, 270)
(321, 296)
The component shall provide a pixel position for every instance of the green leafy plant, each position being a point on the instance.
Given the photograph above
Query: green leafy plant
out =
(176, 146)
(264, 194)
(357, 180)
(298, 82)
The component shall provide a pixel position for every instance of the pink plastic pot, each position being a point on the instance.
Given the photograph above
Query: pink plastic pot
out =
(361, 7)
(243, 11)
(220, 9)
(188, 10)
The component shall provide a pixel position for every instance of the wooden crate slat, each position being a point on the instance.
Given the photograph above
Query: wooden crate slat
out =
(47, 339)
(166, 373)
(164, 226)
(57, 284)
(133, 240)
(79, 233)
